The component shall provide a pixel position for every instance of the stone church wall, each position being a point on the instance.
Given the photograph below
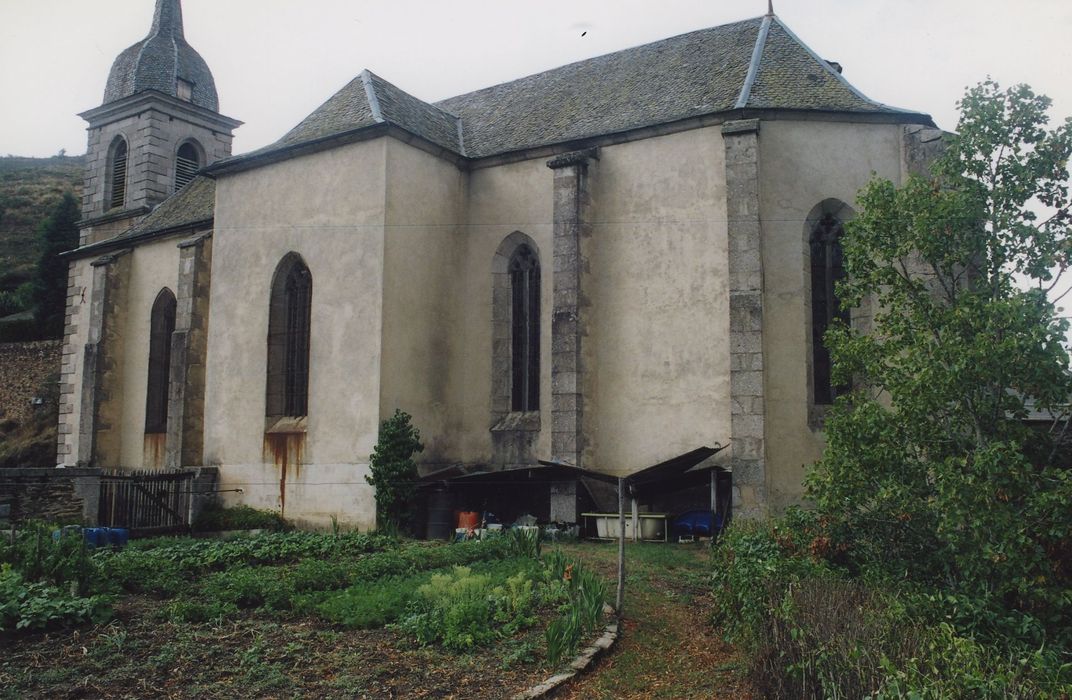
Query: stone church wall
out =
(154, 267)
(76, 333)
(329, 208)
(423, 248)
(501, 200)
(801, 164)
(657, 352)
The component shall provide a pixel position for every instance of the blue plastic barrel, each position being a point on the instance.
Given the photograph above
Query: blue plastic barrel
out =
(696, 522)
(95, 536)
(118, 537)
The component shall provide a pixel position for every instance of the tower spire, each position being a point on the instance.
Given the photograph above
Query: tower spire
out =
(167, 19)
(770, 8)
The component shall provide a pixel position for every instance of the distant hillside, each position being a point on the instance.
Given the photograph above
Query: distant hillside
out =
(29, 189)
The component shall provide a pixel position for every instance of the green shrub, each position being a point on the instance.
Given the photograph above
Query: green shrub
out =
(754, 565)
(524, 542)
(370, 605)
(515, 653)
(168, 568)
(454, 609)
(393, 471)
(515, 602)
(948, 665)
(215, 518)
(317, 575)
(249, 587)
(29, 605)
(580, 595)
(811, 632)
(60, 562)
(184, 610)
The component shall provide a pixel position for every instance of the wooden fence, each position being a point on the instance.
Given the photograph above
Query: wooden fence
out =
(146, 501)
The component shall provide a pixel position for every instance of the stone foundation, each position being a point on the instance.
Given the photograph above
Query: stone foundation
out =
(53, 495)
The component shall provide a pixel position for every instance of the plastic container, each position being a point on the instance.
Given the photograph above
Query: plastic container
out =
(118, 537)
(66, 531)
(652, 527)
(440, 512)
(700, 523)
(95, 536)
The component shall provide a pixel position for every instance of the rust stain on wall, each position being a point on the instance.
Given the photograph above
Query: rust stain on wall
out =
(153, 450)
(284, 450)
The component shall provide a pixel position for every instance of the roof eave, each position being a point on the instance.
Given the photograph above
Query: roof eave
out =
(141, 237)
(368, 132)
(121, 107)
(696, 121)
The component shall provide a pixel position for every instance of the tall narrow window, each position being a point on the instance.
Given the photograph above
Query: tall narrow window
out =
(525, 330)
(161, 326)
(288, 339)
(827, 268)
(118, 181)
(187, 163)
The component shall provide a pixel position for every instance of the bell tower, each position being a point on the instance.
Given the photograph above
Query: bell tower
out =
(158, 125)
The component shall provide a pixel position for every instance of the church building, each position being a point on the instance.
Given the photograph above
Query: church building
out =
(605, 265)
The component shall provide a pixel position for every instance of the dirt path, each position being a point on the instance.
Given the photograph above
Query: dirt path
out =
(669, 648)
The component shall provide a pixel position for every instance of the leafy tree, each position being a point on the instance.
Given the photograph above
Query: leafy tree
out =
(394, 473)
(59, 233)
(929, 472)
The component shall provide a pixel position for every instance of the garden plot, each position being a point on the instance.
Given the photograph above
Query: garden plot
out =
(286, 614)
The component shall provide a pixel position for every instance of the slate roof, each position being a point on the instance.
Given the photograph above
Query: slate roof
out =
(790, 76)
(696, 73)
(369, 99)
(159, 60)
(753, 64)
(193, 204)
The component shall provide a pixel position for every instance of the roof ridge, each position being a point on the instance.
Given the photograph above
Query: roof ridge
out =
(461, 133)
(370, 94)
(595, 58)
(825, 65)
(753, 65)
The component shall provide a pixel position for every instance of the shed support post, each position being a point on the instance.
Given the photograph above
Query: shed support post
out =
(621, 546)
(636, 520)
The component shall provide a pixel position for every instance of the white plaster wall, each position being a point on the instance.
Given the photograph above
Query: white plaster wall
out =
(801, 164)
(501, 200)
(153, 266)
(656, 358)
(328, 207)
(423, 249)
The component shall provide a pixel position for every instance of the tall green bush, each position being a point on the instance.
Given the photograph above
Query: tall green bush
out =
(930, 474)
(59, 233)
(394, 473)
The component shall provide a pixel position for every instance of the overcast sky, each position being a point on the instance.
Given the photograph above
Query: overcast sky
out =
(275, 61)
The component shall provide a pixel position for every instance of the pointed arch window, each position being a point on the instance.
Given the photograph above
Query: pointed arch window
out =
(827, 269)
(161, 327)
(117, 183)
(187, 163)
(288, 339)
(524, 271)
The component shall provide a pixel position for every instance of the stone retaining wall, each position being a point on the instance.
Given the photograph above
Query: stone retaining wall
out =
(50, 494)
(24, 368)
